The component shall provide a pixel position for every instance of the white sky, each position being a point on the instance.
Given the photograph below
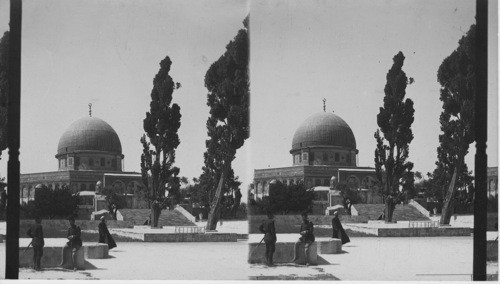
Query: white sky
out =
(107, 53)
(304, 51)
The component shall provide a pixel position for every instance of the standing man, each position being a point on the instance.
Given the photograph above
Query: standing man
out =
(74, 242)
(307, 237)
(35, 232)
(104, 235)
(269, 231)
(338, 230)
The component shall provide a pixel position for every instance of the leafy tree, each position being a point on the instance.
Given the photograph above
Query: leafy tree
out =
(53, 203)
(228, 98)
(458, 90)
(4, 89)
(289, 198)
(159, 143)
(114, 197)
(394, 136)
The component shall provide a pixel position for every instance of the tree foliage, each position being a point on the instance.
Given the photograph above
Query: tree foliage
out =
(52, 203)
(393, 170)
(289, 198)
(114, 197)
(458, 90)
(159, 143)
(227, 83)
(4, 89)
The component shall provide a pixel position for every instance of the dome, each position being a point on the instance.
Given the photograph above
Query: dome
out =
(323, 129)
(89, 134)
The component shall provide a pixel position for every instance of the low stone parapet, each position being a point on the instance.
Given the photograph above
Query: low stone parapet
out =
(329, 245)
(190, 237)
(51, 254)
(285, 245)
(96, 251)
(283, 253)
(189, 229)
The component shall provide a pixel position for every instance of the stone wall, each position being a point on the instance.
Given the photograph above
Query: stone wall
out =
(316, 219)
(59, 225)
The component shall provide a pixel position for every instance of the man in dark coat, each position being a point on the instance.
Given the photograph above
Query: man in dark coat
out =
(35, 232)
(338, 230)
(104, 235)
(74, 242)
(269, 231)
(307, 237)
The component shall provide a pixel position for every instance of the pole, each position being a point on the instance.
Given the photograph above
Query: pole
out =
(480, 195)
(13, 126)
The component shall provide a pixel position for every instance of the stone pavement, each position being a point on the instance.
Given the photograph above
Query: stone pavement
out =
(386, 259)
(156, 261)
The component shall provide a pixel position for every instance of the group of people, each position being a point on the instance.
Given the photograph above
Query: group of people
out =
(74, 236)
(306, 236)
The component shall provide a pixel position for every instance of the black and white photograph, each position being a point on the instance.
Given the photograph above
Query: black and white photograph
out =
(249, 140)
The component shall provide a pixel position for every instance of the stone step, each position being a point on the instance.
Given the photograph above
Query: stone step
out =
(167, 217)
(401, 212)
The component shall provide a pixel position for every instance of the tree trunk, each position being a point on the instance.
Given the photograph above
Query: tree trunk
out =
(447, 210)
(389, 209)
(155, 214)
(215, 207)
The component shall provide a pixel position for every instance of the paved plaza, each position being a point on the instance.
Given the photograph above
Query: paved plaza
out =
(421, 259)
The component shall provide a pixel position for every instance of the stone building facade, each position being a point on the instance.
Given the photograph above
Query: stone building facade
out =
(323, 147)
(88, 151)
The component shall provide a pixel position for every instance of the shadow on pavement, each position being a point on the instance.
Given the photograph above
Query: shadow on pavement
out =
(322, 261)
(89, 266)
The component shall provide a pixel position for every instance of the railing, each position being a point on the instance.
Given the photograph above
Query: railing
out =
(423, 224)
(189, 229)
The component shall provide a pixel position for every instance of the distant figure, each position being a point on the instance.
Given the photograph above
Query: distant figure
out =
(113, 211)
(74, 242)
(348, 206)
(307, 237)
(104, 235)
(269, 231)
(200, 216)
(148, 221)
(3, 203)
(338, 230)
(35, 232)
(381, 216)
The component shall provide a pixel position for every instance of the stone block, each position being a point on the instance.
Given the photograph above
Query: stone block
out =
(330, 246)
(283, 253)
(51, 257)
(96, 251)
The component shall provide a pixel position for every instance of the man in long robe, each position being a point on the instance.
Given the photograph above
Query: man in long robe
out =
(338, 230)
(104, 235)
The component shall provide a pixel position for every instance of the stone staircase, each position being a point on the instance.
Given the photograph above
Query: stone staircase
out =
(167, 217)
(401, 213)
